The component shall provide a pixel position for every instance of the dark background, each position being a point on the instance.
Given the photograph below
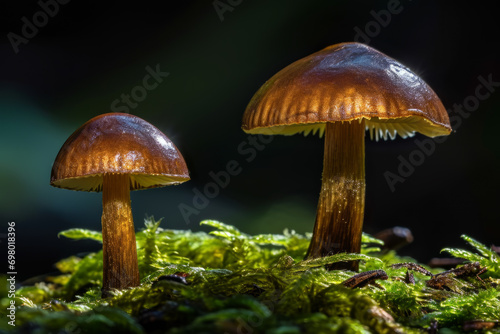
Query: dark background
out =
(91, 52)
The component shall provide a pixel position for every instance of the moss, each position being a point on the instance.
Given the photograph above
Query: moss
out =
(227, 281)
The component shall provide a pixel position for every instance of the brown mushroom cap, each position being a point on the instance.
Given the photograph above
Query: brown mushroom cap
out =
(118, 143)
(346, 82)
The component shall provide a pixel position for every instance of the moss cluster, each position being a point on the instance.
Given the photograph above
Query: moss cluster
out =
(227, 281)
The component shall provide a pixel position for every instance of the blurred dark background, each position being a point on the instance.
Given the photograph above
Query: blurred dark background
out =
(85, 55)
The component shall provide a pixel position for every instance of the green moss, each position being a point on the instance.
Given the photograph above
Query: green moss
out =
(238, 283)
(486, 257)
(484, 305)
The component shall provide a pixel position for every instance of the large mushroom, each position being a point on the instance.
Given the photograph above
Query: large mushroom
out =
(342, 91)
(116, 153)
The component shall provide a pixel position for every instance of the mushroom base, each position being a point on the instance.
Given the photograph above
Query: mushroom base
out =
(339, 217)
(120, 268)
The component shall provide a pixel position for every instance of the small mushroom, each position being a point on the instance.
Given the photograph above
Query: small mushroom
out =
(394, 238)
(342, 91)
(116, 153)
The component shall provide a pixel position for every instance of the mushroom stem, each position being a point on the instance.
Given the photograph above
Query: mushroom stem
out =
(120, 268)
(339, 216)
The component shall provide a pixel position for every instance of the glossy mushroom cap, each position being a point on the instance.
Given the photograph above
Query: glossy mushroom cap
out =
(122, 144)
(346, 82)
